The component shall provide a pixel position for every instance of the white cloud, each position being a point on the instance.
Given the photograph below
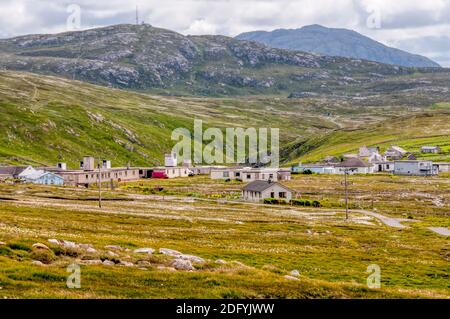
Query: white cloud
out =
(404, 23)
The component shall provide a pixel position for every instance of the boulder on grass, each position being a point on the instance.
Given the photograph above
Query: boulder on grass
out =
(182, 264)
(169, 252)
(39, 246)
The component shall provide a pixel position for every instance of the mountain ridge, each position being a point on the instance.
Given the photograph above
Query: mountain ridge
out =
(143, 58)
(336, 42)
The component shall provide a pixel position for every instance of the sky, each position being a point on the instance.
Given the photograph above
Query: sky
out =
(417, 26)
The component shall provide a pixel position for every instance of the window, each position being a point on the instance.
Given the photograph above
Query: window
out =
(238, 174)
(249, 176)
(270, 176)
(282, 194)
(226, 174)
(272, 195)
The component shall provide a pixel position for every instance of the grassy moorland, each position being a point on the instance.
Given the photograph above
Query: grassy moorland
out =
(409, 131)
(46, 120)
(259, 243)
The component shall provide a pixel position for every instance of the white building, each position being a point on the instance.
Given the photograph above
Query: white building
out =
(417, 168)
(170, 160)
(354, 166)
(248, 174)
(256, 191)
(395, 152)
(430, 149)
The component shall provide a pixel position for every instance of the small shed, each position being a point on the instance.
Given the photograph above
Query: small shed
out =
(256, 191)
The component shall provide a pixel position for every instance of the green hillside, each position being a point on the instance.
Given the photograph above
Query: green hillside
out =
(409, 131)
(46, 119)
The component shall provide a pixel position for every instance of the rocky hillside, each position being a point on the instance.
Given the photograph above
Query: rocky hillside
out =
(336, 42)
(147, 58)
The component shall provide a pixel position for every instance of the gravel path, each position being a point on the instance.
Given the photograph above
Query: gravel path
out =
(440, 230)
(389, 221)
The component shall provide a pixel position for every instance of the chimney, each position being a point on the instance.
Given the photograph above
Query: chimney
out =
(88, 163)
(106, 164)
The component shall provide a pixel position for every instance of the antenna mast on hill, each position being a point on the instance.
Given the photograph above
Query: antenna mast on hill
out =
(137, 15)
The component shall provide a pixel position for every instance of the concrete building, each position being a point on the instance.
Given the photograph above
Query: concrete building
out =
(88, 177)
(248, 174)
(430, 149)
(170, 172)
(256, 191)
(443, 167)
(315, 168)
(170, 160)
(384, 167)
(416, 168)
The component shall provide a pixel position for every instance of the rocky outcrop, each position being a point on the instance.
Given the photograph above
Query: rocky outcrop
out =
(145, 58)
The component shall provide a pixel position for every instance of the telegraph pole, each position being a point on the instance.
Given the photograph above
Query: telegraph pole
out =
(346, 194)
(99, 186)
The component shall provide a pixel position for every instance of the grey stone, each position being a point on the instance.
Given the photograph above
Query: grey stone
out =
(192, 258)
(295, 273)
(39, 246)
(182, 264)
(126, 263)
(107, 262)
(169, 252)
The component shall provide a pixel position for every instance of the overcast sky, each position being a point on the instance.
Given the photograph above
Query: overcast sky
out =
(417, 26)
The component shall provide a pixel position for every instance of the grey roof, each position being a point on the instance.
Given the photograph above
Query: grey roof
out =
(259, 186)
(353, 162)
(11, 170)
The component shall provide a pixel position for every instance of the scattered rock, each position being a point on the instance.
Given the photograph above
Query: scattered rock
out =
(309, 232)
(182, 264)
(107, 262)
(143, 263)
(39, 246)
(221, 261)
(113, 247)
(169, 252)
(112, 254)
(192, 258)
(291, 278)
(68, 244)
(91, 250)
(92, 262)
(54, 241)
(37, 263)
(85, 246)
(295, 273)
(148, 251)
(126, 263)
